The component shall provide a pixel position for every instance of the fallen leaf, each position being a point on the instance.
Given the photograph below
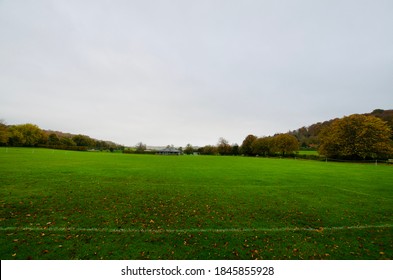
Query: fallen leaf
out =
(320, 230)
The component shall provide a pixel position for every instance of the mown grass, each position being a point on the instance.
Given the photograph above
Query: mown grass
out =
(308, 152)
(170, 206)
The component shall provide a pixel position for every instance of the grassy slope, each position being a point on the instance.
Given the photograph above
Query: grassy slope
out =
(53, 189)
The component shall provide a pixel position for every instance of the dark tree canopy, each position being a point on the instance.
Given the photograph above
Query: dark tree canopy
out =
(189, 149)
(246, 147)
(83, 140)
(140, 147)
(3, 133)
(262, 146)
(223, 147)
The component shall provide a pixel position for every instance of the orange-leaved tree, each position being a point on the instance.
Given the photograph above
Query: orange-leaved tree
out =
(356, 137)
(285, 144)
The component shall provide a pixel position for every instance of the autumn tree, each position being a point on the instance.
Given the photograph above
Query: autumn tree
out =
(83, 141)
(53, 139)
(386, 116)
(284, 144)
(104, 145)
(262, 146)
(3, 133)
(189, 149)
(28, 135)
(67, 142)
(208, 150)
(223, 147)
(140, 147)
(246, 147)
(356, 137)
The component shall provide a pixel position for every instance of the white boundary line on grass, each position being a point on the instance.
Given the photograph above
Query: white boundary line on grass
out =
(191, 230)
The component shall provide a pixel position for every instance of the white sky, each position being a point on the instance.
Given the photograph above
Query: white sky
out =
(178, 72)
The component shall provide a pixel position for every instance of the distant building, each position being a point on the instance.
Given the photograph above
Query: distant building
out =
(169, 151)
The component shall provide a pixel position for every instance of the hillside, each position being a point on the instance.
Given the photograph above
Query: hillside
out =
(30, 135)
(308, 135)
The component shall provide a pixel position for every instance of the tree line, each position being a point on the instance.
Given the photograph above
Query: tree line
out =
(354, 137)
(309, 136)
(277, 145)
(30, 135)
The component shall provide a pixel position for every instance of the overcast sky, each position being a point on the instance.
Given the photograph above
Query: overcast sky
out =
(178, 72)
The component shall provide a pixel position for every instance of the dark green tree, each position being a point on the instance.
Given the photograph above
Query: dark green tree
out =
(246, 147)
(53, 139)
(189, 149)
(235, 149)
(262, 146)
(83, 141)
(208, 150)
(67, 142)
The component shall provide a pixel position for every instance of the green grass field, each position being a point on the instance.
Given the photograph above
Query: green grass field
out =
(84, 205)
(308, 152)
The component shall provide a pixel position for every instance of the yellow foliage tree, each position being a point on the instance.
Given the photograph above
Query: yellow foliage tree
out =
(285, 144)
(356, 137)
